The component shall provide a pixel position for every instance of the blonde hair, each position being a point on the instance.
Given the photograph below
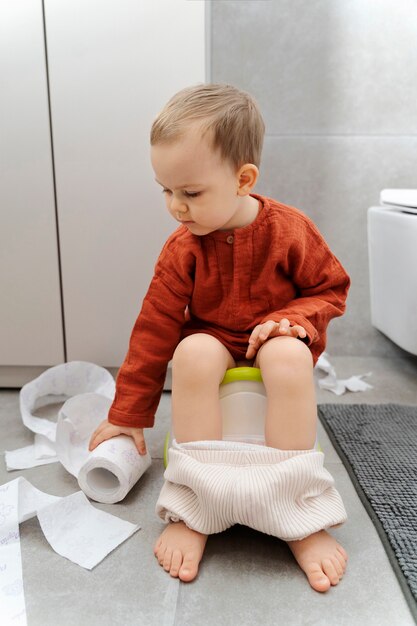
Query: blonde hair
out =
(229, 116)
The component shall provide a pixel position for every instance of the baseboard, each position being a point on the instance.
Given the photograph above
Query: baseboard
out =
(15, 376)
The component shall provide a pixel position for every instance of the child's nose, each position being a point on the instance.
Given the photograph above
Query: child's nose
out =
(178, 206)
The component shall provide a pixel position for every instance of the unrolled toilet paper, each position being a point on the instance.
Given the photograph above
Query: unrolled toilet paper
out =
(55, 385)
(107, 473)
(72, 526)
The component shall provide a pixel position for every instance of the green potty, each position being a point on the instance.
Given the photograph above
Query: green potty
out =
(243, 406)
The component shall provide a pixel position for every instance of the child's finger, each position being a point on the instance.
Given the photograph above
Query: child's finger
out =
(298, 331)
(284, 326)
(253, 342)
(140, 442)
(93, 440)
(259, 335)
(266, 329)
(255, 334)
(250, 353)
(101, 433)
(99, 438)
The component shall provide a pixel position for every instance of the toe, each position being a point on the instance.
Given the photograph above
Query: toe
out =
(341, 560)
(157, 546)
(340, 564)
(342, 551)
(188, 570)
(160, 554)
(330, 570)
(316, 577)
(176, 562)
(166, 563)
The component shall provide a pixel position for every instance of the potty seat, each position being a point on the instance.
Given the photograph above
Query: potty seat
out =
(243, 405)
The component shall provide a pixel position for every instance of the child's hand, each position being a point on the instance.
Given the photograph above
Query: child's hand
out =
(107, 431)
(272, 329)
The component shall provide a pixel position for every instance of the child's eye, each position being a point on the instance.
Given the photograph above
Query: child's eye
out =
(189, 194)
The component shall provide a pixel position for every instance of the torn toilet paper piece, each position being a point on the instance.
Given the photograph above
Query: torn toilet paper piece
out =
(56, 384)
(71, 525)
(41, 452)
(336, 385)
(107, 473)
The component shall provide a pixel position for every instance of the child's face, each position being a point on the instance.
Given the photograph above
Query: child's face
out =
(200, 190)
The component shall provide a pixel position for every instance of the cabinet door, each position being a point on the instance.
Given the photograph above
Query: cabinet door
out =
(112, 65)
(31, 330)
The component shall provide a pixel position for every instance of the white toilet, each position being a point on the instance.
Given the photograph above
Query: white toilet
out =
(392, 246)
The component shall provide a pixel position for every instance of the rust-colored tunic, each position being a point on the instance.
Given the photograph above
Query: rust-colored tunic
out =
(224, 284)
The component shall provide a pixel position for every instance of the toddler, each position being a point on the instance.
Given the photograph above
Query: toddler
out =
(243, 280)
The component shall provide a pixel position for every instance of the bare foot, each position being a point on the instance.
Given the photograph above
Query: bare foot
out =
(321, 558)
(179, 550)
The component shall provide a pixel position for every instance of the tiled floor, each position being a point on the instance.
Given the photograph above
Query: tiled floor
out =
(245, 578)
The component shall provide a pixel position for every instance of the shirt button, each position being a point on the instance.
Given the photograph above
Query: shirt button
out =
(230, 239)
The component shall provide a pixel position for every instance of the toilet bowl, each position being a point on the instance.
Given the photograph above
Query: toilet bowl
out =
(392, 247)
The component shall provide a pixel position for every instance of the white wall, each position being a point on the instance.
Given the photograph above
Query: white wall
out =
(112, 65)
(30, 304)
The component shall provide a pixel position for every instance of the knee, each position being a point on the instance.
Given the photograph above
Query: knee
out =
(285, 357)
(198, 355)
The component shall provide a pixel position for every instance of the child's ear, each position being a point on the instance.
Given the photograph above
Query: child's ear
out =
(246, 178)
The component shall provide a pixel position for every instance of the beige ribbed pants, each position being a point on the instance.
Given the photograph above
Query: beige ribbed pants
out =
(212, 485)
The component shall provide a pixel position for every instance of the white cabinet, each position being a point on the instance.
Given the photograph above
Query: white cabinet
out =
(112, 64)
(31, 330)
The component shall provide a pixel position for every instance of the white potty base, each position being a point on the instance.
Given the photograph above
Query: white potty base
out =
(243, 409)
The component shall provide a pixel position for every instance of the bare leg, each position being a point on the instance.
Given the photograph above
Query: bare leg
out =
(291, 423)
(287, 371)
(199, 364)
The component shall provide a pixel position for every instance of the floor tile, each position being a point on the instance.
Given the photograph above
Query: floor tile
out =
(245, 577)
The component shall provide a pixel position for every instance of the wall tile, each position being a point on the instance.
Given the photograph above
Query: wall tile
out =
(334, 180)
(328, 66)
(335, 83)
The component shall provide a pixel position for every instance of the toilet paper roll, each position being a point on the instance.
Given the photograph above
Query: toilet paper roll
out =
(110, 471)
(55, 385)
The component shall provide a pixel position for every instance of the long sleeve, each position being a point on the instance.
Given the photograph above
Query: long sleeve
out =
(321, 285)
(154, 338)
(277, 266)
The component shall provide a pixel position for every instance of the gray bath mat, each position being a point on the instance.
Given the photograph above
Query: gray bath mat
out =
(378, 446)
